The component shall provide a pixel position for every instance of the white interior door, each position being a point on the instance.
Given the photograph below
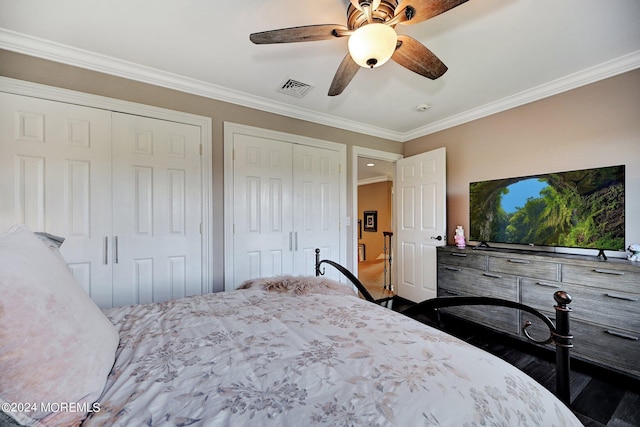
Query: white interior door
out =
(55, 176)
(263, 238)
(421, 222)
(316, 207)
(157, 210)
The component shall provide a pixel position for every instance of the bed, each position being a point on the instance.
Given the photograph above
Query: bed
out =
(284, 351)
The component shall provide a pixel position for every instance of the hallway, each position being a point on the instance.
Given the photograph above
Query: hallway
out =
(371, 274)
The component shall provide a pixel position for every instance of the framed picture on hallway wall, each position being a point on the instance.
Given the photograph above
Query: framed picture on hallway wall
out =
(371, 221)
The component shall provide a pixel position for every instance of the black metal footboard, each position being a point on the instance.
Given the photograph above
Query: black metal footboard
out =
(559, 333)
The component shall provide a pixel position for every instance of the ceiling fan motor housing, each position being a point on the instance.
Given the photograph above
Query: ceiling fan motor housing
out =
(356, 18)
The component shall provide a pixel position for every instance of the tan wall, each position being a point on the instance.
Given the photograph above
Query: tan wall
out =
(41, 71)
(375, 197)
(595, 125)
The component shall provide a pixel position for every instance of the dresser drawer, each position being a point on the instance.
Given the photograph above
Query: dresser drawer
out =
(463, 259)
(461, 281)
(477, 283)
(608, 346)
(500, 318)
(525, 267)
(456, 278)
(539, 293)
(603, 277)
(595, 305)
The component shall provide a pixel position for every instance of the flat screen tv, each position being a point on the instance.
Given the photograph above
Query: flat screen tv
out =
(575, 209)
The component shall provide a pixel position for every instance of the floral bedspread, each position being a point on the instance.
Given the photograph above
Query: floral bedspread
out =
(255, 358)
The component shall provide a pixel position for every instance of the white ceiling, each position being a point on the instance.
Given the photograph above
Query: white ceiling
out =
(500, 54)
(374, 170)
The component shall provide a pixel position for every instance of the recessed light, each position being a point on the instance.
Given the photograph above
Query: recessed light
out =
(371, 164)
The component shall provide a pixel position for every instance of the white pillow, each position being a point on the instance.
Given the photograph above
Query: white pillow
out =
(56, 345)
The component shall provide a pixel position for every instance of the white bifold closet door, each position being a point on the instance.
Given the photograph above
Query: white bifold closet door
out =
(286, 204)
(156, 210)
(56, 177)
(123, 190)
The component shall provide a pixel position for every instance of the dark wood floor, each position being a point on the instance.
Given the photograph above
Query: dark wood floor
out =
(599, 397)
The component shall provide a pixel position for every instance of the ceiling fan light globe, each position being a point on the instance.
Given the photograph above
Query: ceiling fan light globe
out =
(372, 45)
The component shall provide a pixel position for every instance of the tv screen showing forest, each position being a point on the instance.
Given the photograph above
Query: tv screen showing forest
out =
(575, 209)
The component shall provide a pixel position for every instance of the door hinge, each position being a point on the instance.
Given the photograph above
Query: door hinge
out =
(200, 228)
(201, 149)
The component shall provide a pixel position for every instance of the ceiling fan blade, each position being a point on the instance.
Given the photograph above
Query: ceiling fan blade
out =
(414, 11)
(414, 56)
(306, 33)
(346, 71)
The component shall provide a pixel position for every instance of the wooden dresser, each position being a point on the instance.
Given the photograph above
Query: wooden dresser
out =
(605, 317)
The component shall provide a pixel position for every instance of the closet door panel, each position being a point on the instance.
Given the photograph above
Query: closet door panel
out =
(263, 238)
(157, 201)
(316, 206)
(28, 188)
(55, 168)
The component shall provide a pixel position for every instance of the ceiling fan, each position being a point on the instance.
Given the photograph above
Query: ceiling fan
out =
(372, 37)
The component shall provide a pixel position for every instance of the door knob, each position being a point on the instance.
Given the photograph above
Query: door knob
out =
(436, 237)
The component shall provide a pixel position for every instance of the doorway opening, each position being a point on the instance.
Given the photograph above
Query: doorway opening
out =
(419, 219)
(374, 225)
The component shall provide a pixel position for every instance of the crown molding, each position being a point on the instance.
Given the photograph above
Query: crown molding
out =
(45, 49)
(375, 180)
(584, 77)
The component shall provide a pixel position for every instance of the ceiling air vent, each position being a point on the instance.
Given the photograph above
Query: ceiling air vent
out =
(294, 88)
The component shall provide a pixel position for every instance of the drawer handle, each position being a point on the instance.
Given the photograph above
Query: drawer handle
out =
(495, 276)
(622, 297)
(616, 273)
(519, 261)
(621, 335)
(457, 294)
(452, 269)
(548, 285)
(457, 254)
